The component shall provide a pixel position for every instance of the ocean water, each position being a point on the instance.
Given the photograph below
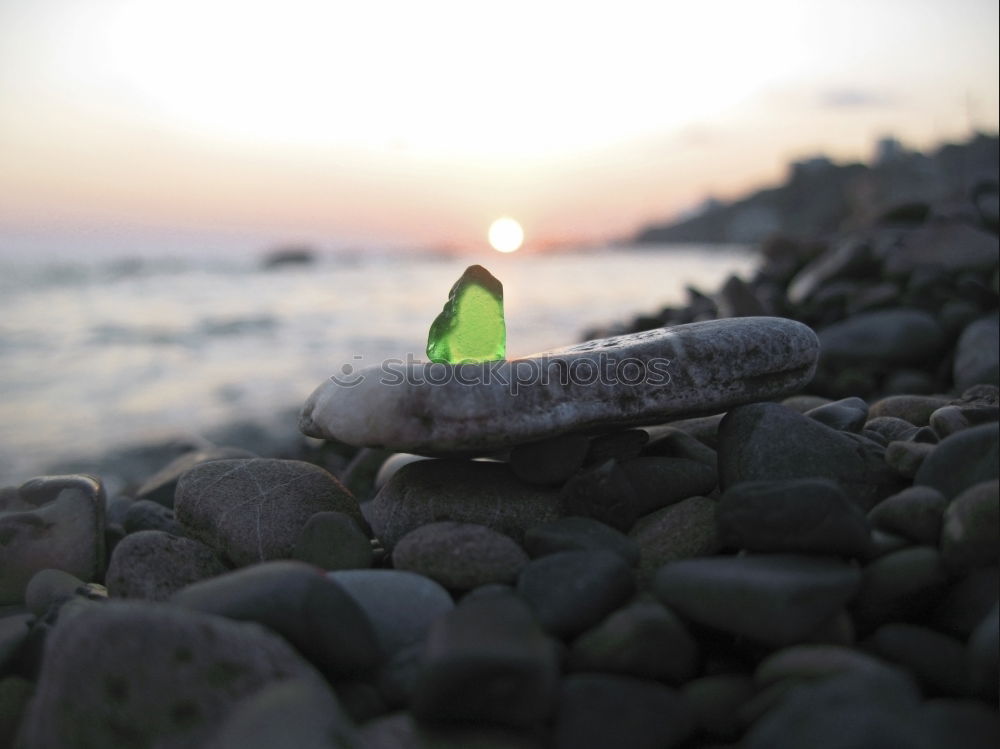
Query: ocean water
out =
(99, 355)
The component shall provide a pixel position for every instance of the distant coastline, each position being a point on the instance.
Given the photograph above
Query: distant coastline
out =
(819, 197)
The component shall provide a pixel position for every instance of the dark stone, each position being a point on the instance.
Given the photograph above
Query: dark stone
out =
(148, 515)
(463, 491)
(488, 661)
(149, 674)
(890, 428)
(715, 702)
(915, 513)
(619, 446)
(681, 531)
(643, 639)
(360, 474)
(575, 533)
(401, 606)
(571, 591)
(292, 713)
(845, 415)
(966, 602)
(962, 460)
(604, 493)
(460, 556)
(333, 541)
(977, 353)
(661, 481)
(549, 462)
(855, 710)
(937, 660)
(776, 599)
(812, 516)
(673, 443)
(965, 723)
(705, 429)
(154, 565)
(906, 457)
(736, 299)
(766, 441)
(296, 600)
(899, 586)
(916, 409)
(943, 245)
(984, 644)
(160, 487)
(885, 337)
(596, 711)
(254, 510)
(970, 535)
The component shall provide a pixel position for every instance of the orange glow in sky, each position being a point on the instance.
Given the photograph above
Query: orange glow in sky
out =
(419, 123)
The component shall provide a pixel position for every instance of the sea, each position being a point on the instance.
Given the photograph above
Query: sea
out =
(98, 355)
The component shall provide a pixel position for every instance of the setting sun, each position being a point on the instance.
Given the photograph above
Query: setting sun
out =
(506, 235)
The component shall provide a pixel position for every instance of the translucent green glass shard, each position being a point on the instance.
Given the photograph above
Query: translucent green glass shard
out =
(470, 328)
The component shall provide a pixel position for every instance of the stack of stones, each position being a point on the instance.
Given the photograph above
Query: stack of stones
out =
(790, 541)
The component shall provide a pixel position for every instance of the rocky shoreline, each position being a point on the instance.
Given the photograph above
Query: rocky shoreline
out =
(805, 560)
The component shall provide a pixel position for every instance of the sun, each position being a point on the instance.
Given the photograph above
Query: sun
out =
(506, 235)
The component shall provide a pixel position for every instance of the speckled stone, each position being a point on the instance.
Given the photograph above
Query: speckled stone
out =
(460, 556)
(713, 365)
(681, 531)
(255, 510)
(153, 565)
(155, 675)
(463, 491)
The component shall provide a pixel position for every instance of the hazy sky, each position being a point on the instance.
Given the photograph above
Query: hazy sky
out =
(167, 123)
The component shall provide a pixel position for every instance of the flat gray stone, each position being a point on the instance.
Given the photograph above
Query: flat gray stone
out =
(432, 409)
(463, 491)
(255, 510)
(51, 522)
(153, 565)
(149, 674)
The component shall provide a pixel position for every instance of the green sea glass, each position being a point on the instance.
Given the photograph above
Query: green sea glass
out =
(470, 328)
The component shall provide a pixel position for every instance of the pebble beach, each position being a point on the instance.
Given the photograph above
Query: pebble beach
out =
(789, 539)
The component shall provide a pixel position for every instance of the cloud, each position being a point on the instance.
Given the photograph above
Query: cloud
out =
(854, 98)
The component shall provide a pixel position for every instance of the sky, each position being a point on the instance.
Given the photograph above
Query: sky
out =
(135, 125)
